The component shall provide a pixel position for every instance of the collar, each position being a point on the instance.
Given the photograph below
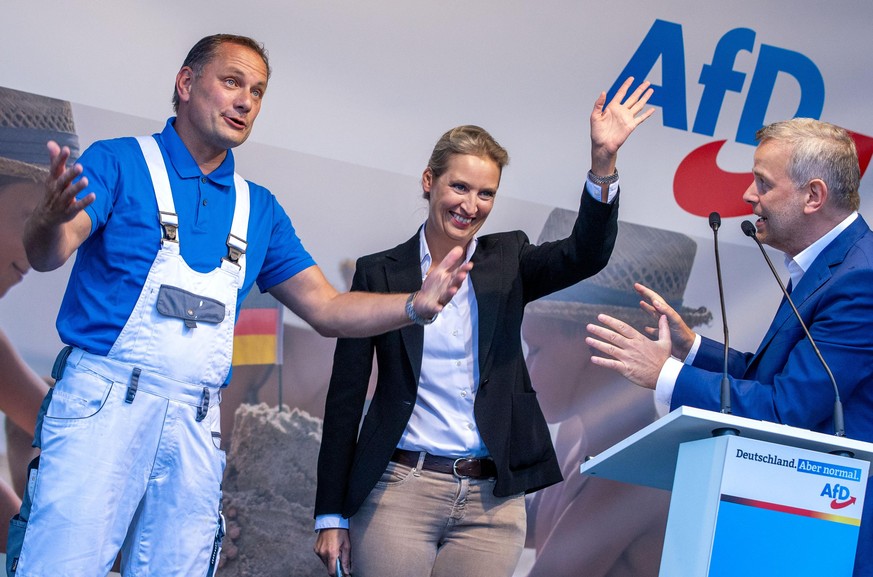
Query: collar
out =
(804, 259)
(426, 258)
(185, 165)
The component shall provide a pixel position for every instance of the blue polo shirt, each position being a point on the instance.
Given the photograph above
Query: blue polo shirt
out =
(112, 264)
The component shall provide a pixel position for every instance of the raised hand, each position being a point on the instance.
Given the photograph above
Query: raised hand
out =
(58, 224)
(612, 124)
(441, 284)
(59, 204)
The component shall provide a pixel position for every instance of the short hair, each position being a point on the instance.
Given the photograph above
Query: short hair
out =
(466, 139)
(820, 150)
(204, 51)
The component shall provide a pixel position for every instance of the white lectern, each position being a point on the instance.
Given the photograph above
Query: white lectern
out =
(766, 500)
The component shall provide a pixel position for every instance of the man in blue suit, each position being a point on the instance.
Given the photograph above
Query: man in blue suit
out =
(805, 196)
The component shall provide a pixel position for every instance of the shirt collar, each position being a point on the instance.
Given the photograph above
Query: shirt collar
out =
(804, 259)
(185, 165)
(426, 258)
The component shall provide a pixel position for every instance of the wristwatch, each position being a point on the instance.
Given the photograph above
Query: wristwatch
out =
(601, 180)
(604, 183)
(414, 316)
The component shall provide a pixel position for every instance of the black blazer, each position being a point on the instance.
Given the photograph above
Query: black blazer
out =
(508, 273)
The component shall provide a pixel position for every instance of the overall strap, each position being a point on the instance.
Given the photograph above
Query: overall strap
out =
(163, 193)
(236, 240)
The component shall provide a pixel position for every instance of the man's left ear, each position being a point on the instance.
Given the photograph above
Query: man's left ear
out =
(817, 194)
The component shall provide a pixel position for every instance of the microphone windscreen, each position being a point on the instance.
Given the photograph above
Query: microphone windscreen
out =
(748, 228)
(714, 220)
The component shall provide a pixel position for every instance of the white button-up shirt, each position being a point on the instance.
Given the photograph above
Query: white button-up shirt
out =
(442, 421)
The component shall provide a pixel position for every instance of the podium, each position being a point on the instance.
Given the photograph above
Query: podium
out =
(764, 499)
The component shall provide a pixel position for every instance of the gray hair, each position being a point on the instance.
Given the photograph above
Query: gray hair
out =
(820, 150)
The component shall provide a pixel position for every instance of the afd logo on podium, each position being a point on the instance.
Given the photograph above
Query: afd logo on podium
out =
(699, 185)
(782, 510)
(841, 496)
(793, 481)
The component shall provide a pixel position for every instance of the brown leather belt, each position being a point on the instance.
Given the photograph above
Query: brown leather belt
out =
(462, 467)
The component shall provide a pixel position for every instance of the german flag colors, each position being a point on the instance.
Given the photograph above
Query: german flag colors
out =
(257, 336)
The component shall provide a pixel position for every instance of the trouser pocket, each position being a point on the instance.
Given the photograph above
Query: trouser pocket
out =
(18, 523)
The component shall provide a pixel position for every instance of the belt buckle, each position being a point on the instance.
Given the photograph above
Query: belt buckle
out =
(455, 467)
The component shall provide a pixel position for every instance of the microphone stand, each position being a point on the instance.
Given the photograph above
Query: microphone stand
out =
(714, 224)
(839, 425)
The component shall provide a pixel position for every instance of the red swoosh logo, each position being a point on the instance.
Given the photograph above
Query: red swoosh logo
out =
(701, 187)
(844, 504)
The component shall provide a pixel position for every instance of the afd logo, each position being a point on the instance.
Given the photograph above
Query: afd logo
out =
(699, 185)
(840, 495)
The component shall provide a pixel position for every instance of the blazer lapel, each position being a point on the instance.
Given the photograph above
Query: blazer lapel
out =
(403, 275)
(486, 281)
(813, 279)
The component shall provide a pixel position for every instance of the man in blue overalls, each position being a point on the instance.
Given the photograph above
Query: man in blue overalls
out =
(169, 241)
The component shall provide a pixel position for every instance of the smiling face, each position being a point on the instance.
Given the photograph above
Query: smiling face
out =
(218, 106)
(17, 201)
(460, 200)
(777, 202)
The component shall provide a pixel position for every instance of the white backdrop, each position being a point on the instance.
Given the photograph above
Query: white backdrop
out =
(373, 84)
(376, 82)
(361, 91)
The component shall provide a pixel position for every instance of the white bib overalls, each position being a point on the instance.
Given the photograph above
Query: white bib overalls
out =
(130, 442)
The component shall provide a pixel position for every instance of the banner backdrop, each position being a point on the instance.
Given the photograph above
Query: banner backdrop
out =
(361, 91)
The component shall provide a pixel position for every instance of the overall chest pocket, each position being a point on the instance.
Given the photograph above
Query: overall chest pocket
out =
(190, 308)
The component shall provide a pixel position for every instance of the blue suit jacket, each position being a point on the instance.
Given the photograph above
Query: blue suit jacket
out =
(784, 381)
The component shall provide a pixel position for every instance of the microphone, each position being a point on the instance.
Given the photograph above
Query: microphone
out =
(839, 425)
(714, 224)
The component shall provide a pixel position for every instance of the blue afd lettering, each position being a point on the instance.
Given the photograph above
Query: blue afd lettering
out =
(771, 62)
(665, 42)
(836, 491)
(720, 76)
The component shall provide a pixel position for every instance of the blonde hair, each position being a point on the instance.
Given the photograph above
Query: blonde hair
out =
(465, 139)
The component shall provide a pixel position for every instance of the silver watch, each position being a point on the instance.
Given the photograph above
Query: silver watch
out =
(601, 180)
(414, 316)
